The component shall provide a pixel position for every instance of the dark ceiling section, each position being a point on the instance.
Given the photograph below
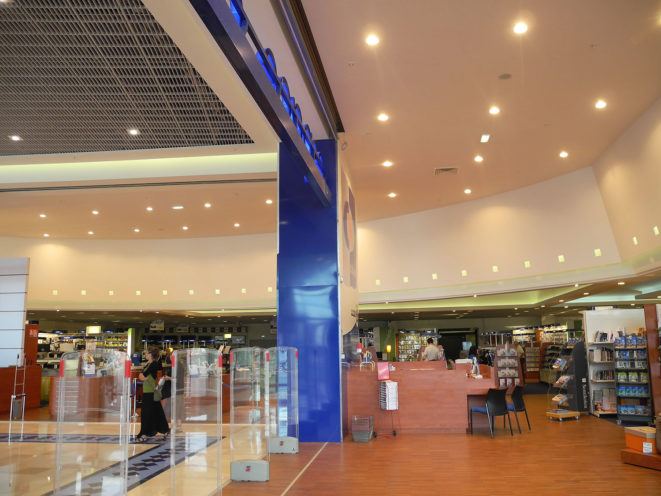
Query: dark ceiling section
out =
(77, 74)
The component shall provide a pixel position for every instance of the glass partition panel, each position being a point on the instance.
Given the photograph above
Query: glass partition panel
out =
(283, 399)
(196, 416)
(92, 432)
(249, 415)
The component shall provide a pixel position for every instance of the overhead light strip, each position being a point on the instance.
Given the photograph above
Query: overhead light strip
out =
(137, 185)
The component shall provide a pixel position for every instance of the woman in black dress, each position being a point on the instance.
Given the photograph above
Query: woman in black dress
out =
(152, 417)
(166, 390)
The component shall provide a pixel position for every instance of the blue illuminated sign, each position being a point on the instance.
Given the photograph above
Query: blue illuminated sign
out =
(280, 85)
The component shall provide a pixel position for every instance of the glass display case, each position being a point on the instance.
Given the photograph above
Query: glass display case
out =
(249, 415)
(283, 399)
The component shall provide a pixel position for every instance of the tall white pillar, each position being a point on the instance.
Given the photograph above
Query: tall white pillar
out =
(13, 294)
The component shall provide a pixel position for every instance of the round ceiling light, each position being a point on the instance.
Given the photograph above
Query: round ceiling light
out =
(600, 104)
(372, 40)
(520, 28)
(494, 110)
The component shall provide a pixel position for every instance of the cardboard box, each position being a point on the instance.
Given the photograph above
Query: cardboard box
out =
(640, 439)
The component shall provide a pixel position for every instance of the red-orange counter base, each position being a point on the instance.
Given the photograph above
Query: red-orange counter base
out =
(633, 457)
(431, 398)
(32, 386)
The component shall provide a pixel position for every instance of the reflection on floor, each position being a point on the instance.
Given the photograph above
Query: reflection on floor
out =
(574, 457)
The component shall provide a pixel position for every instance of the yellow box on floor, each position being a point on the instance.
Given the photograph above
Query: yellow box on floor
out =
(634, 437)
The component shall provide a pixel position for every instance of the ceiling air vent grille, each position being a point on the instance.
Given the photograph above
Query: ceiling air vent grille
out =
(445, 170)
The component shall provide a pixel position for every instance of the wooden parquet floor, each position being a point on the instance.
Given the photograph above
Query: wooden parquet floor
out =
(569, 458)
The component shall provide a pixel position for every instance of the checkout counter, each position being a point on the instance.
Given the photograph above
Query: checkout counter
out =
(431, 398)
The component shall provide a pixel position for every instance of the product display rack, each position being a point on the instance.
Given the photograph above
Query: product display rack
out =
(634, 401)
(570, 387)
(507, 368)
(601, 374)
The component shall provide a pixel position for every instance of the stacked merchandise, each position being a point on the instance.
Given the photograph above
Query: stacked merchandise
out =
(388, 395)
(632, 375)
(507, 366)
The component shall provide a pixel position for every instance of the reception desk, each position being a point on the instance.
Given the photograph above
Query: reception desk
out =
(431, 397)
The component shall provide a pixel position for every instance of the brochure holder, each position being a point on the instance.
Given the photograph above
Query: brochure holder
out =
(283, 399)
(92, 432)
(195, 412)
(249, 415)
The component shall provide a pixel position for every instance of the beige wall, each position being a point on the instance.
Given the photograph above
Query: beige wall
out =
(564, 215)
(177, 265)
(629, 177)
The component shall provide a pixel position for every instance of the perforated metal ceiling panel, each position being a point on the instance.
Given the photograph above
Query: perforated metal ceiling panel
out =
(76, 75)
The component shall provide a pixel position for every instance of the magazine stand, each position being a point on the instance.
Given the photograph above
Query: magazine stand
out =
(92, 432)
(283, 399)
(249, 415)
(195, 411)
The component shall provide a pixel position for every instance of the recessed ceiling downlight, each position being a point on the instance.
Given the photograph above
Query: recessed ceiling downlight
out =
(392, 195)
(494, 110)
(133, 131)
(468, 191)
(520, 28)
(178, 207)
(15, 137)
(600, 104)
(563, 154)
(372, 40)
(383, 117)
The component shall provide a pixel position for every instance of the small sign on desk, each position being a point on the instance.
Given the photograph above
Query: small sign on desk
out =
(383, 371)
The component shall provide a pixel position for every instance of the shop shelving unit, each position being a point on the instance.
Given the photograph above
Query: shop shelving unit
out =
(551, 352)
(601, 373)
(533, 361)
(604, 329)
(570, 387)
(634, 401)
(409, 344)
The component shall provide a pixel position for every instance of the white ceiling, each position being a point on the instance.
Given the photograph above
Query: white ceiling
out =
(436, 74)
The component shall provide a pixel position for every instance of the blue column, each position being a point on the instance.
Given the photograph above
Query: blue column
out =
(308, 293)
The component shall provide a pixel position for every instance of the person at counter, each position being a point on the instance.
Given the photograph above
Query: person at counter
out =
(431, 353)
(152, 417)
